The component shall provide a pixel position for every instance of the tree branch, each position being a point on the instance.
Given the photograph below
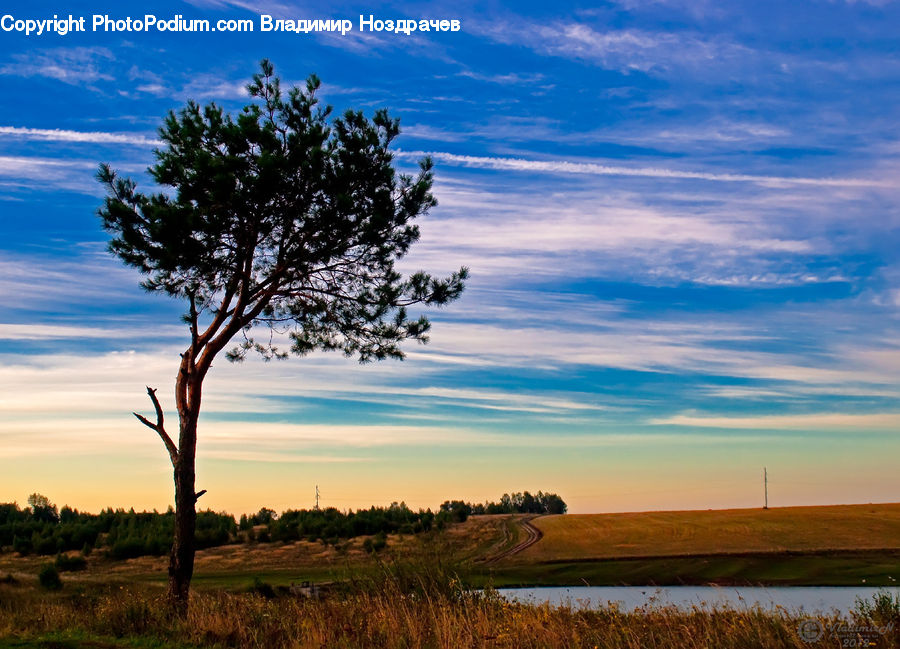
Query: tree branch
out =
(195, 336)
(221, 314)
(159, 426)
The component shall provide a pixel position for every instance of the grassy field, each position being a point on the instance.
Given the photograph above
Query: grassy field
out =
(837, 569)
(237, 566)
(841, 545)
(392, 612)
(783, 529)
(416, 593)
(836, 545)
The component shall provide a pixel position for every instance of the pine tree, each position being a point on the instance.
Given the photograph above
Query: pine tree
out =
(278, 216)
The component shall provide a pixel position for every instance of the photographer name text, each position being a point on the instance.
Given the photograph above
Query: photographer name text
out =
(61, 26)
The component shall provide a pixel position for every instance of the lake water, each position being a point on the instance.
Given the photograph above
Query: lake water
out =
(812, 599)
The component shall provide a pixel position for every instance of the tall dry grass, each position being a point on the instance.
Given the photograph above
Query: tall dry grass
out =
(398, 609)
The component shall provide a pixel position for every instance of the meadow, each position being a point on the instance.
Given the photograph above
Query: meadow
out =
(782, 529)
(839, 545)
(436, 589)
(405, 606)
(835, 545)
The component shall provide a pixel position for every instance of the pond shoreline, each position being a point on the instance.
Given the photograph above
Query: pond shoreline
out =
(806, 599)
(746, 569)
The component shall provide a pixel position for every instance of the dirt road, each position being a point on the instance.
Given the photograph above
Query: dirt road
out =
(532, 536)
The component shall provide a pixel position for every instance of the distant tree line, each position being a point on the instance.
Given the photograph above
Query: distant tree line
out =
(331, 524)
(517, 503)
(43, 529)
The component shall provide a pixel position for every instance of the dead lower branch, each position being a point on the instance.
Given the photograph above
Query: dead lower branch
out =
(159, 426)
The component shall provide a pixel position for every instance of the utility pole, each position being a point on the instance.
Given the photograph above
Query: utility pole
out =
(766, 487)
(317, 497)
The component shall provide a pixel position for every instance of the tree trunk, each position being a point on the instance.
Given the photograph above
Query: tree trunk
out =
(188, 387)
(181, 560)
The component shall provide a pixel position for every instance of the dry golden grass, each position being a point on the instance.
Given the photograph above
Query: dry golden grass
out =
(413, 601)
(803, 529)
(386, 615)
(468, 540)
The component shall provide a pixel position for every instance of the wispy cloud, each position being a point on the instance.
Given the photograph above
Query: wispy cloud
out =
(27, 283)
(434, 133)
(594, 169)
(533, 229)
(67, 173)
(75, 65)
(44, 172)
(813, 422)
(510, 78)
(27, 166)
(282, 442)
(213, 87)
(272, 7)
(576, 167)
(624, 50)
(38, 331)
(874, 3)
(279, 457)
(64, 135)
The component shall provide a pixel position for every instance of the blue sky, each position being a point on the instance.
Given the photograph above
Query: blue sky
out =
(681, 220)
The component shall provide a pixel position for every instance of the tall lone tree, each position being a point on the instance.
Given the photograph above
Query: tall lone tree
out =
(280, 217)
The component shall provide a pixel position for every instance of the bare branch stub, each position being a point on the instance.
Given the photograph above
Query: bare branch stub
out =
(159, 426)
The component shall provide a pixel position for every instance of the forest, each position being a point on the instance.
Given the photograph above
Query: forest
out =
(44, 529)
